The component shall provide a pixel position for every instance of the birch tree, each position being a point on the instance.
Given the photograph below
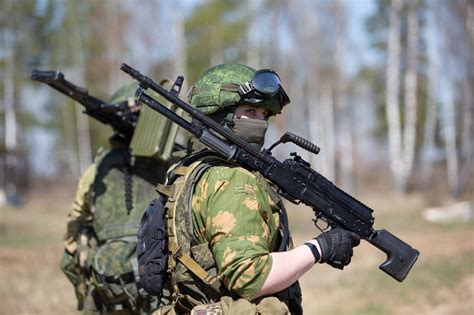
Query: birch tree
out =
(10, 157)
(432, 97)
(82, 121)
(346, 147)
(316, 96)
(410, 85)
(180, 55)
(392, 93)
(254, 34)
(113, 47)
(467, 134)
(448, 124)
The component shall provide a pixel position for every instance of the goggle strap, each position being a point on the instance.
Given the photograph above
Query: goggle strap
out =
(245, 88)
(230, 87)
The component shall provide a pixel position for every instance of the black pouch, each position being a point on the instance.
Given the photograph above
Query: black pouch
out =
(152, 248)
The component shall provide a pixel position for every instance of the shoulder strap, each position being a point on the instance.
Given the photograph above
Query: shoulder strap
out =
(285, 238)
(178, 176)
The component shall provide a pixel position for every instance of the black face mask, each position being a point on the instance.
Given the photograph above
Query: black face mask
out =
(251, 130)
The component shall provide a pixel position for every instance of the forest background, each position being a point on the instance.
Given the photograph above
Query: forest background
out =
(384, 87)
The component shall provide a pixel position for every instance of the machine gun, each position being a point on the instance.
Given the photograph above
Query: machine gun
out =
(294, 177)
(121, 117)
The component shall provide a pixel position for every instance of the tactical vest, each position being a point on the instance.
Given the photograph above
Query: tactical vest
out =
(191, 264)
(121, 191)
(112, 219)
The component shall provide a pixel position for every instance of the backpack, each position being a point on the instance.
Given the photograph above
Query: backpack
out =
(120, 192)
(166, 256)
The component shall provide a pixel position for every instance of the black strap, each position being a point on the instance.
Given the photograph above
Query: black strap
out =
(285, 237)
(314, 250)
(128, 277)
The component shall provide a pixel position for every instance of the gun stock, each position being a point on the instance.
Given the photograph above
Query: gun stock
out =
(400, 256)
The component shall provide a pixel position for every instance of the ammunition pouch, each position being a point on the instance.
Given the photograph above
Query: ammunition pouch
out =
(114, 274)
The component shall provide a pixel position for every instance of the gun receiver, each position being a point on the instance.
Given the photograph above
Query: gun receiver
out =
(295, 179)
(118, 116)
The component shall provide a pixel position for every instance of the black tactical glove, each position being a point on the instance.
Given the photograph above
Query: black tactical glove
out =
(336, 247)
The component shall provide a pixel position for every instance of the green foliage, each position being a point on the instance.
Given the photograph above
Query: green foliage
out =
(214, 28)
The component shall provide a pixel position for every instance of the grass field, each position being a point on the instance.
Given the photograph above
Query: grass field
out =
(441, 282)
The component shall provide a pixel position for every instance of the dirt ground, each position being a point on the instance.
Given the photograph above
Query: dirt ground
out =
(441, 282)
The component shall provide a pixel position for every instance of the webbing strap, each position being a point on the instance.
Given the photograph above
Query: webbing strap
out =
(181, 170)
(167, 190)
(231, 87)
(194, 267)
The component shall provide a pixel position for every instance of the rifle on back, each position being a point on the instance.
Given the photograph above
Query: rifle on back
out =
(294, 177)
(119, 116)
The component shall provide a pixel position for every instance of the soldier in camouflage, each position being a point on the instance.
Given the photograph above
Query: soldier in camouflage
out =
(238, 213)
(99, 257)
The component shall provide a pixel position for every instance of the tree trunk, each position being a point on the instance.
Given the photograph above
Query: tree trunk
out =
(113, 45)
(180, 46)
(409, 130)
(392, 92)
(254, 34)
(318, 95)
(428, 151)
(467, 134)
(10, 189)
(449, 134)
(82, 120)
(217, 54)
(324, 115)
(346, 145)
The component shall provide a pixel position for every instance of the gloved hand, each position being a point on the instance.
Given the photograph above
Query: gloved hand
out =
(337, 247)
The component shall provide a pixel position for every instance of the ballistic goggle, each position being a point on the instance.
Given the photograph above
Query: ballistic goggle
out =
(265, 84)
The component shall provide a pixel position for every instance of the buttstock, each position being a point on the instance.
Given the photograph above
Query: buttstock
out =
(400, 256)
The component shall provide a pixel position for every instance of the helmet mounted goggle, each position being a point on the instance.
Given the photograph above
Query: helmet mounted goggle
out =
(264, 85)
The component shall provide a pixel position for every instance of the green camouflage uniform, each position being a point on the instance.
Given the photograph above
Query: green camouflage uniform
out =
(236, 224)
(101, 233)
(233, 211)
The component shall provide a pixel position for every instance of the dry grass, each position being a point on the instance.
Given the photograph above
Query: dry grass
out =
(441, 282)
(30, 252)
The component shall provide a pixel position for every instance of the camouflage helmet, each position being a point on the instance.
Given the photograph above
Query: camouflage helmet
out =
(217, 89)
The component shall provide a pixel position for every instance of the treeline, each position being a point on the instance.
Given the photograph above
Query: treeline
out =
(398, 110)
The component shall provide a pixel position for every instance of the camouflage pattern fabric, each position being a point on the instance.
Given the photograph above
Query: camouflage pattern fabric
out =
(228, 306)
(99, 206)
(234, 211)
(81, 212)
(211, 93)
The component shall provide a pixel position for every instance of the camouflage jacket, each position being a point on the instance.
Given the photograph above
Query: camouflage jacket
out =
(237, 212)
(100, 200)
